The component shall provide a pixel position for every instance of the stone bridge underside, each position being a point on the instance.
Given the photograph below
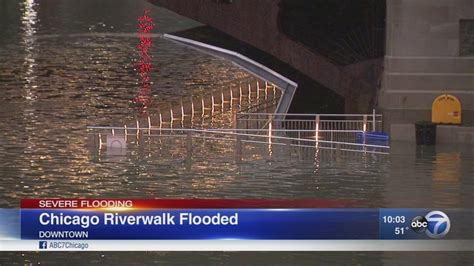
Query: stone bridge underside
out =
(334, 51)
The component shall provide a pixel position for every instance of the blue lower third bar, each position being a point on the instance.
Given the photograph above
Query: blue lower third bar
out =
(209, 224)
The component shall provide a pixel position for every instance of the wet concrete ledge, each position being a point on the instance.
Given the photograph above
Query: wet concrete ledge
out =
(445, 134)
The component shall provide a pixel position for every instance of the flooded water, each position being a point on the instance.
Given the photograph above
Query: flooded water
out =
(68, 64)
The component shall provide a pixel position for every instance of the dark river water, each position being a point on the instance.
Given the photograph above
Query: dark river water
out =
(69, 64)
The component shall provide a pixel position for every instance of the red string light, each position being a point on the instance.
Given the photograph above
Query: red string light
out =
(145, 26)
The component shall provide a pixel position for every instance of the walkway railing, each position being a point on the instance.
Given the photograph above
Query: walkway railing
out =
(265, 134)
(251, 95)
(322, 127)
(285, 85)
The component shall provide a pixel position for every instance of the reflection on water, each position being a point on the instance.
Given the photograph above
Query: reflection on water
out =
(29, 20)
(145, 65)
(446, 177)
(431, 176)
(69, 64)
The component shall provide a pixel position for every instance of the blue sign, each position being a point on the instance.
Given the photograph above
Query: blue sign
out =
(201, 224)
(244, 224)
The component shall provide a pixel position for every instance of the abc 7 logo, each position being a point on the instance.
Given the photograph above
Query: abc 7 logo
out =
(435, 224)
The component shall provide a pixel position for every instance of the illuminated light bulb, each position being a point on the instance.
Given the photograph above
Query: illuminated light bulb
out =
(125, 132)
(317, 132)
(100, 141)
(203, 106)
(222, 101)
(149, 126)
(365, 124)
(258, 90)
(270, 150)
(212, 105)
(270, 132)
(113, 132)
(240, 94)
(192, 108)
(316, 127)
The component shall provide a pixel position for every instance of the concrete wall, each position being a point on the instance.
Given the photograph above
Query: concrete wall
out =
(423, 59)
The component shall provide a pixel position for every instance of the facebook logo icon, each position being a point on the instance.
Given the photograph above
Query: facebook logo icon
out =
(43, 245)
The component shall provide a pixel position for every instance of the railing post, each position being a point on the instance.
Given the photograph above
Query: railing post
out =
(270, 129)
(182, 111)
(192, 108)
(161, 121)
(149, 125)
(138, 129)
(364, 128)
(222, 100)
(240, 94)
(258, 90)
(203, 107)
(316, 127)
(373, 120)
(250, 91)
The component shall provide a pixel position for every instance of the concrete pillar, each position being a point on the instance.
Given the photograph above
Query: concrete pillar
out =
(424, 58)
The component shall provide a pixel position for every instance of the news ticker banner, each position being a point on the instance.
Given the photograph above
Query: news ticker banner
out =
(58, 224)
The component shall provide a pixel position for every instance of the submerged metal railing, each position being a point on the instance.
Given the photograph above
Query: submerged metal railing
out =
(246, 96)
(323, 127)
(285, 85)
(270, 137)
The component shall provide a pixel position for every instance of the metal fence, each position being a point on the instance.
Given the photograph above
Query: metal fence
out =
(268, 136)
(321, 127)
